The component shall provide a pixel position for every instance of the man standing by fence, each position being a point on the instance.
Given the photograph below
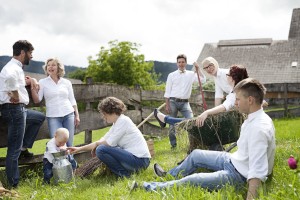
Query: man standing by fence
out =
(23, 125)
(178, 91)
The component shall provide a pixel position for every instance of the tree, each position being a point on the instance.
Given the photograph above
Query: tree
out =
(78, 74)
(121, 64)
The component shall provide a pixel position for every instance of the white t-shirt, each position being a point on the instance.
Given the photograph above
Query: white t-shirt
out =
(12, 79)
(127, 136)
(256, 147)
(179, 85)
(221, 83)
(59, 98)
(51, 148)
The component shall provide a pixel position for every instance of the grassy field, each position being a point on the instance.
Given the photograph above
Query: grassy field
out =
(284, 184)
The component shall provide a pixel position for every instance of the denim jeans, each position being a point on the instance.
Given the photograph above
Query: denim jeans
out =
(67, 122)
(173, 120)
(121, 162)
(18, 120)
(224, 172)
(185, 109)
(47, 168)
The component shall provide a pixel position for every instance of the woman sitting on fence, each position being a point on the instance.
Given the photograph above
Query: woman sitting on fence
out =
(123, 148)
(236, 74)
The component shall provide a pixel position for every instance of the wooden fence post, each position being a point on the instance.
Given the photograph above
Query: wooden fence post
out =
(88, 136)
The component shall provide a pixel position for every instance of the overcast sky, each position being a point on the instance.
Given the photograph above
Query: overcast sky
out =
(72, 30)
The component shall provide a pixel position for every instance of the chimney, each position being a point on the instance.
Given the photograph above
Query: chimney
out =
(295, 25)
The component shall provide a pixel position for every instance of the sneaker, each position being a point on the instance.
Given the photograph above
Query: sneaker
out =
(26, 154)
(159, 171)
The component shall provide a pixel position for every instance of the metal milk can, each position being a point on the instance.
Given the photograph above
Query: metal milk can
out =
(62, 168)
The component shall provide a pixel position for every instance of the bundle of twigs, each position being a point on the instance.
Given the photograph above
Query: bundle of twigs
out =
(220, 129)
(89, 167)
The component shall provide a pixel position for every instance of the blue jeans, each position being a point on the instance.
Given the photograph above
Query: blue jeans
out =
(47, 168)
(23, 127)
(67, 122)
(224, 172)
(185, 109)
(121, 162)
(173, 120)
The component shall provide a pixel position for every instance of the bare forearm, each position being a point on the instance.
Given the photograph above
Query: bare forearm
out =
(215, 110)
(254, 184)
(35, 96)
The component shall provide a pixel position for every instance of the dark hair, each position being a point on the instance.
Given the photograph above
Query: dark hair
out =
(111, 105)
(238, 73)
(251, 87)
(182, 56)
(22, 45)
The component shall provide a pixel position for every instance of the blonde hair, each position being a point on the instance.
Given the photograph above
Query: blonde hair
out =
(62, 133)
(60, 67)
(208, 61)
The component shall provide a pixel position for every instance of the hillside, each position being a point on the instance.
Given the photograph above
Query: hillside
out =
(35, 66)
(163, 68)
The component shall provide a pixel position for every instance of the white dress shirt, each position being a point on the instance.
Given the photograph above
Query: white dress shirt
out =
(12, 78)
(52, 148)
(127, 136)
(256, 147)
(221, 83)
(179, 85)
(59, 98)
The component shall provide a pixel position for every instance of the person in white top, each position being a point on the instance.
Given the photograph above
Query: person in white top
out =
(23, 124)
(178, 91)
(235, 75)
(252, 162)
(61, 106)
(56, 144)
(211, 66)
(123, 148)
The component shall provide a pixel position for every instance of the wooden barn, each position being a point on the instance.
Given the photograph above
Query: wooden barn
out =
(268, 60)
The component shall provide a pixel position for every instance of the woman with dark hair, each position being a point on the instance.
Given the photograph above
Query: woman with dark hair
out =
(123, 148)
(236, 74)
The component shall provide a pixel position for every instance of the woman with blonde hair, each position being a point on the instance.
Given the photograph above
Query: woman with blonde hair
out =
(61, 106)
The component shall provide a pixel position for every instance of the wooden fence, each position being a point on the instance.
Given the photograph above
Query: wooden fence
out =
(89, 95)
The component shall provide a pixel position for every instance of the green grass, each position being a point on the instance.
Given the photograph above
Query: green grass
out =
(284, 184)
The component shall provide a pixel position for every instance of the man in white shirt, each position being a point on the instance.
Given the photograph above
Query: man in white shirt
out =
(252, 162)
(178, 91)
(211, 66)
(23, 125)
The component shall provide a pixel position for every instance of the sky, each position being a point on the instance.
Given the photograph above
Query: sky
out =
(73, 30)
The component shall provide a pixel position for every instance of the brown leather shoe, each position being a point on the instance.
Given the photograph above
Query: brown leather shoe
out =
(159, 171)
(26, 154)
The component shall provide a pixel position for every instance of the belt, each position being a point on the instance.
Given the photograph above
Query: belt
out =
(5, 105)
(179, 100)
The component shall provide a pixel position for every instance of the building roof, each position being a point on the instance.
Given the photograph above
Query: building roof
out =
(269, 61)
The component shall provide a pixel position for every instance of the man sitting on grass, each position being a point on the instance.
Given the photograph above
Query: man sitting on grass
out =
(252, 162)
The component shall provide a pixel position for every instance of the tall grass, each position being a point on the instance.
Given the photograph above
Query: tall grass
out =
(284, 184)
